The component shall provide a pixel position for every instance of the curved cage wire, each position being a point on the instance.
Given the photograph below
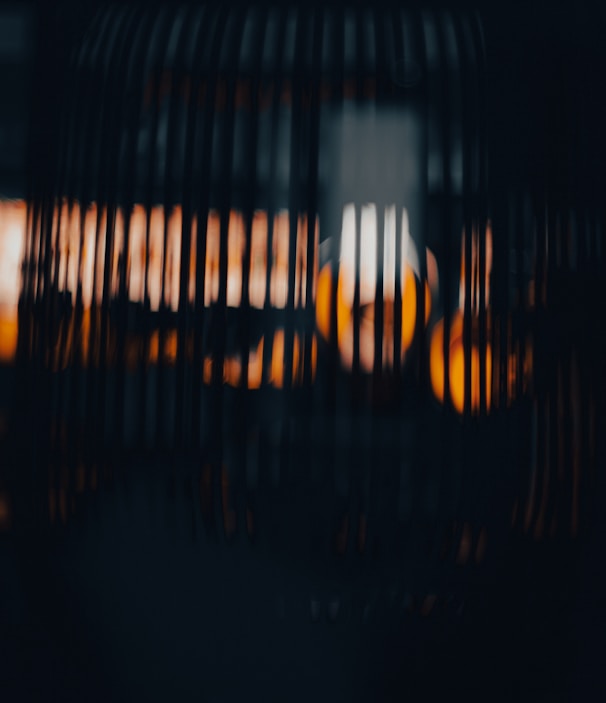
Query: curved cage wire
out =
(267, 246)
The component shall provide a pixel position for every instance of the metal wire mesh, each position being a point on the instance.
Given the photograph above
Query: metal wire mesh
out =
(267, 246)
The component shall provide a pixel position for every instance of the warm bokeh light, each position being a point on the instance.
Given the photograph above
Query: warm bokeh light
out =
(324, 304)
(457, 354)
(13, 220)
(232, 364)
(92, 249)
(172, 266)
(433, 278)
(367, 281)
(8, 335)
(154, 257)
(277, 358)
(236, 244)
(258, 260)
(278, 287)
(169, 347)
(457, 358)
(232, 368)
(135, 266)
(148, 244)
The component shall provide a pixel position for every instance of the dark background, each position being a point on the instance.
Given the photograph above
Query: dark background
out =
(546, 116)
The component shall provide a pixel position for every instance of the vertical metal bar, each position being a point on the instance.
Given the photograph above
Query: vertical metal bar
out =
(446, 209)
(481, 210)
(157, 57)
(447, 89)
(312, 255)
(229, 71)
(423, 455)
(422, 100)
(187, 418)
(125, 185)
(216, 21)
(181, 27)
(469, 228)
(116, 96)
(201, 125)
(277, 17)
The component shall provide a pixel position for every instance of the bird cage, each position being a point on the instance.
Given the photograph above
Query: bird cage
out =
(265, 256)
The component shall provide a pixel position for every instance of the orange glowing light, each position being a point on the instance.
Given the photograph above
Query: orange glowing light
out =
(169, 347)
(232, 364)
(207, 370)
(148, 244)
(236, 243)
(457, 354)
(154, 347)
(211, 273)
(154, 263)
(255, 366)
(457, 366)
(433, 278)
(232, 368)
(258, 290)
(8, 336)
(364, 275)
(93, 249)
(85, 336)
(146, 256)
(277, 358)
(324, 304)
(298, 367)
(345, 329)
(258, 260)
(173, 259)
(13, 219)
(191, 288)
(278, 288)
(136, 254)
(236, 246)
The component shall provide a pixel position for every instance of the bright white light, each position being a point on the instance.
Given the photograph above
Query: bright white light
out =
(367, 270)
(368, 254)
(348, 253)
